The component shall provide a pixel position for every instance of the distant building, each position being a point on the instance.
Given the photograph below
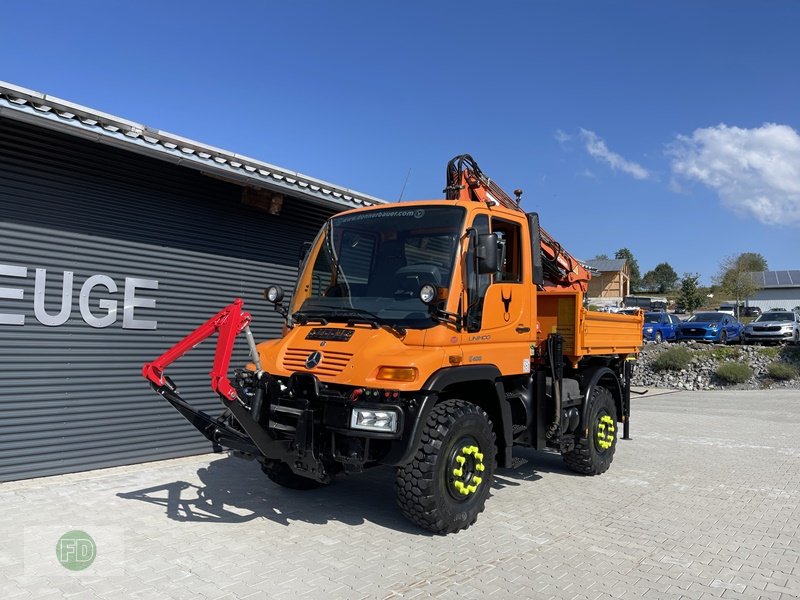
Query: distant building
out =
(611, 280)
(777, 289)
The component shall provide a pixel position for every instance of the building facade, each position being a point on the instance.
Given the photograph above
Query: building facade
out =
(776, 289)
(610, 282)
(116, 241)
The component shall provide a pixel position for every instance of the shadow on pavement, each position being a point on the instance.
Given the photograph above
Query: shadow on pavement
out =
(235, 491)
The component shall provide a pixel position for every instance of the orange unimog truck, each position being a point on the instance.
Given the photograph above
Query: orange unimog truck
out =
(430, 336)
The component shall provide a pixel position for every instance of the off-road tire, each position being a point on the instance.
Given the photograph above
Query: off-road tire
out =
(283, 475)
(425, 487)
(590, 457)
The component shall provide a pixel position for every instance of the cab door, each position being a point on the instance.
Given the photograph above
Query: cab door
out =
(499, 329)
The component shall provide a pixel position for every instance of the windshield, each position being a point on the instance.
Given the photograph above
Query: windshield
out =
(776, 316)
(707, 317)
(371, 265)
(652, 317)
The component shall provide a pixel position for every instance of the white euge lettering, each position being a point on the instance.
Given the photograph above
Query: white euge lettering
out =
(109, 305)
(131, 302)
(12, 294)
(39, 295)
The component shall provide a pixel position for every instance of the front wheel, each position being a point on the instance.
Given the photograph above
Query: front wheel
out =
(446, 484)
(658, 337)
(723, 337)
(593, 455)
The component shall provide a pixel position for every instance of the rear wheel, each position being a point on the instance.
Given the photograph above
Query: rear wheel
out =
(283, 475)
(594, 454)
(446, 484)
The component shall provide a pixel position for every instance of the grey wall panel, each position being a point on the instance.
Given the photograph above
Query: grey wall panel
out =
(72, 396)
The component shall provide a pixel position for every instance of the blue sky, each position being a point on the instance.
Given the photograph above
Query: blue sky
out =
(670, 128)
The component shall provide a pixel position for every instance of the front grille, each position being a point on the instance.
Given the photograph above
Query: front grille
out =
(766, 328)
(332, 362)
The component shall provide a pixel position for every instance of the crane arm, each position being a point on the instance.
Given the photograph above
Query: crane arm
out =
(466, 181)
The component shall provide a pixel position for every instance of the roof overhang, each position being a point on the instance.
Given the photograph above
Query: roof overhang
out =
(73, 119)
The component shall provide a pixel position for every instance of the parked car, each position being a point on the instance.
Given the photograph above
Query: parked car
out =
(710, 327)
(680, 309)
(659, 326)
(774, 326)
(752, 311)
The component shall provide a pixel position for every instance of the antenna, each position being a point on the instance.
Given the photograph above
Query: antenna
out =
(404, 185)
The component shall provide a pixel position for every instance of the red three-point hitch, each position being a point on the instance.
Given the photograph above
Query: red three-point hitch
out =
(228, 322)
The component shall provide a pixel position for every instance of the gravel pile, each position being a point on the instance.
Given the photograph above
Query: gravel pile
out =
(700, 373)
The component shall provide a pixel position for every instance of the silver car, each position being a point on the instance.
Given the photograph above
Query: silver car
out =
(773, 326)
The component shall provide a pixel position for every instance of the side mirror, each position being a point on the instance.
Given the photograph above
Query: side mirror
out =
(487, 253)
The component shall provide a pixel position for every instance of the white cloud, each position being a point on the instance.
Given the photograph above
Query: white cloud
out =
(755, 172)
(597, 148)
(561, 136)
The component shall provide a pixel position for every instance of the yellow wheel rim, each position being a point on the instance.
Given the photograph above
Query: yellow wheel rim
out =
(467, 469)
(606, 432)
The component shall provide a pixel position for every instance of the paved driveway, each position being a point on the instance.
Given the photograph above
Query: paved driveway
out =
(702, 503)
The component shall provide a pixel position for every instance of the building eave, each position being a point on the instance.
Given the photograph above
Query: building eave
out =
(52, 113)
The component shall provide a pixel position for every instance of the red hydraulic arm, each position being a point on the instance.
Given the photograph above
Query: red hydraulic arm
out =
(229, 322)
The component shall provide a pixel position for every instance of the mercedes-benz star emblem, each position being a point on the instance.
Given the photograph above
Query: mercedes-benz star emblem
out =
(313, 359)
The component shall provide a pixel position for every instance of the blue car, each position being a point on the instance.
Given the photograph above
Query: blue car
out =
(659, 326)
(710, 327)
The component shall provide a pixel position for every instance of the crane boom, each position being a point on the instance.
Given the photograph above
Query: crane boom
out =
(466, 181)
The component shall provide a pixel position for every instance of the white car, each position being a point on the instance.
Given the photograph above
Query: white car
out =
(773, 326)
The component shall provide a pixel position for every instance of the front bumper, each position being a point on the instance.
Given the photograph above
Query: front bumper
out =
(767, 336)
(707, 335)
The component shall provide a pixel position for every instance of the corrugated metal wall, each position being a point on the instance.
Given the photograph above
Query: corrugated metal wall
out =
(71, 395)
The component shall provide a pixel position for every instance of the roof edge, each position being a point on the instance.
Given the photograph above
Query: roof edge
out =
(54, 113)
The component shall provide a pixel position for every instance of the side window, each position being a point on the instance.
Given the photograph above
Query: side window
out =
(510, 259)
(476, 284)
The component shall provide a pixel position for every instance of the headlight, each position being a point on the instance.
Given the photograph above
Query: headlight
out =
(712, 326)
(273, 294)
(427, 293)
(648, 330)
(374, 420)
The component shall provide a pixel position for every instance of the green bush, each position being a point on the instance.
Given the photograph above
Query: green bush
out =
(782, 370)
(733, 372)
(673, 359)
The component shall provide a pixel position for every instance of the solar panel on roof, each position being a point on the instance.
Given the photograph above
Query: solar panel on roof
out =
(795, 275)
(783, 278)
(770, 279)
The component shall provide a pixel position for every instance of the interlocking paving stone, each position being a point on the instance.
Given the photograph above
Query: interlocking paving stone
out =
(704, 502)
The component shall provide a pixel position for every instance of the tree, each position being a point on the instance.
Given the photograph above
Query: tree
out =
(601, 257)
(636, 277)
(690, 296)
(734, 277)
(663, 278)
(752, 261)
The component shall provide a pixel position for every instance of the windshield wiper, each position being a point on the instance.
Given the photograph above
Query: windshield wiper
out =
(304, 317)
(350, 315)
